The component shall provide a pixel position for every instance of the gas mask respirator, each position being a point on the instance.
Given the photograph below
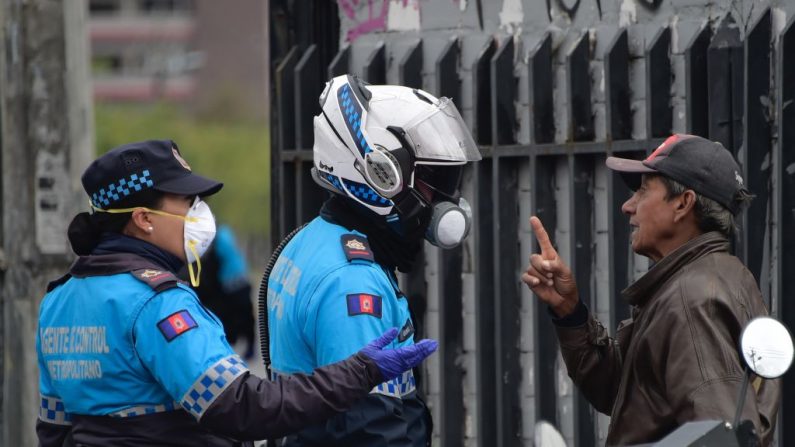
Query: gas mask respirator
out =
(449, 224)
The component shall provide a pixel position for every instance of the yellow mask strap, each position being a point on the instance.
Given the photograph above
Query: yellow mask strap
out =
(149, 210)
(194, 279)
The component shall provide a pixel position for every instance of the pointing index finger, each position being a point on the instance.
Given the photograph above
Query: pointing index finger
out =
(547, 250)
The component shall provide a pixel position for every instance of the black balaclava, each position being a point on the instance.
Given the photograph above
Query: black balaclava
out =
(390, 248)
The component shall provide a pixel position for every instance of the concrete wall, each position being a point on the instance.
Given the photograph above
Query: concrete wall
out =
(47, 141)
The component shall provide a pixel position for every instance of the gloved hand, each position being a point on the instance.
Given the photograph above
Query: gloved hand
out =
(392, 362)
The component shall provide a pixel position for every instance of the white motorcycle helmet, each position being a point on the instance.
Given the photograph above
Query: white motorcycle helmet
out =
(397, 151)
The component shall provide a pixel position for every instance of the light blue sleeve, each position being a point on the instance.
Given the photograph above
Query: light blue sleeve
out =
(329, 327)
(231, 262)
(183, 345)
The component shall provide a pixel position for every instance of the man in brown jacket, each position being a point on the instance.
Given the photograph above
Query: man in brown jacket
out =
(676, 359)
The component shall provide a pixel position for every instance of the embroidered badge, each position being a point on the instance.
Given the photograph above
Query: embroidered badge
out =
(356, 247)
(150, 274)
(364, 304)
(176, 324)
(159, 280)
(406, 332)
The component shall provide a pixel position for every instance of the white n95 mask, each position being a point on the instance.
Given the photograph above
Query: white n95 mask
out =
(199, 234)
(199, 231)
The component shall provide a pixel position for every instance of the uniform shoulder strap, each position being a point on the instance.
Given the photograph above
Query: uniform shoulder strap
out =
(53, 284)
(356, 247)
(158, 280)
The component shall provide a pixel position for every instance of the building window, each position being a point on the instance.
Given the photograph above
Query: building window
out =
(166, 6)
(106, 65)
(104, 7)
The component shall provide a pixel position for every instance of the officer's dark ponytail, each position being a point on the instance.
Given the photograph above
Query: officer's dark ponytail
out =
(86, 229)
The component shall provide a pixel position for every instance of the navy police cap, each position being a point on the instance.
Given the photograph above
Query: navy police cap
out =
(133, 167)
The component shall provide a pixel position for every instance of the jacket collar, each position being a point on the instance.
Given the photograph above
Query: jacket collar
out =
(110, 264)
(639, 293)
(102, 265)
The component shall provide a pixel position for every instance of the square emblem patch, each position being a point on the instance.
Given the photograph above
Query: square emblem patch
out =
(176, 324)
(364, 304)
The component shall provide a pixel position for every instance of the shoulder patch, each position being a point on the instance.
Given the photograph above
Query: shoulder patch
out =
(176, 324)
(407, 331)
(364, 304)
(356, 247)
(159, 280)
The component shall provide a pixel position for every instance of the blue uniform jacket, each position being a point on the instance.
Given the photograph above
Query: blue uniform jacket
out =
(129, 357)
(114, 346)
(327, 299)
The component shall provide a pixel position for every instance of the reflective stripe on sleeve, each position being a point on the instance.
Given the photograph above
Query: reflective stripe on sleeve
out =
(52, 411)
(211, 384)
(140, 410)
(398, 387)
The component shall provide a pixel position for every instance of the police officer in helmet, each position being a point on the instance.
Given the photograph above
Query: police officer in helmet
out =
(128, 356)
(392, 158)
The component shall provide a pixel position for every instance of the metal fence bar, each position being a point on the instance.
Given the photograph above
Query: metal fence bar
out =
(451, 326)
(506, 299)
(616, 63)
(724, 85)
(448, 81)
(481, 81)
(285, 140)
(758, 148)
(374, 70)
(581, 204)
(503, 94)
(340, 65)
(659, 114)
(410, 67)
(541, 92)
(307, 89)
(546, 348)
(786, 204)
(581, 127)
(484, 255)
(696, 82)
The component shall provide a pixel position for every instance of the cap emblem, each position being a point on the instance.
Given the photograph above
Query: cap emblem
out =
(662, 147)
(180, 159)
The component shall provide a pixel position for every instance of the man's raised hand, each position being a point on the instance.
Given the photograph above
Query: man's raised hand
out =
(548, 276)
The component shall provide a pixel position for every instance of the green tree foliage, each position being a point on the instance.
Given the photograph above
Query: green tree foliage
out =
(237, 154)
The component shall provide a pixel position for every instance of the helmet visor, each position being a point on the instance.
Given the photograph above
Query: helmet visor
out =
(442, 180)
(442, 135)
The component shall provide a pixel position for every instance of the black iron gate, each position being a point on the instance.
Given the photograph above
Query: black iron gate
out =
(547, 106)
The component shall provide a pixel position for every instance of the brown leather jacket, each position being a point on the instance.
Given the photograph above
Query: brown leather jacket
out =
(676, 360)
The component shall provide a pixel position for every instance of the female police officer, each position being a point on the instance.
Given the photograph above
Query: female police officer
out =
(128, 355)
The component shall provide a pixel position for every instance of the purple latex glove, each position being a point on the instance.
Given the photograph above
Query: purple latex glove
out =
(392, 362)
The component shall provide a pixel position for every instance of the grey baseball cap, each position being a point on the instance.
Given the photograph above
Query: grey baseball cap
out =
(702, 165)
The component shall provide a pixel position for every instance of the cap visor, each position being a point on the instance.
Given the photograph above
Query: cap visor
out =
(627, 165)
(190, 185)
(630, 170)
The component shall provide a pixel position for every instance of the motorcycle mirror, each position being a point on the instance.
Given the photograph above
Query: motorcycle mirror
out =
(766, 346)
(546, 435)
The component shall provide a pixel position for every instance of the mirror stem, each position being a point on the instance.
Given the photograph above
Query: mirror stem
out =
(741, 399)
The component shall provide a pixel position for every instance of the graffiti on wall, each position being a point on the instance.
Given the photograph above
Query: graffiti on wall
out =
(375, 21)
(378, 12)
(382, 15)
(570, 7)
